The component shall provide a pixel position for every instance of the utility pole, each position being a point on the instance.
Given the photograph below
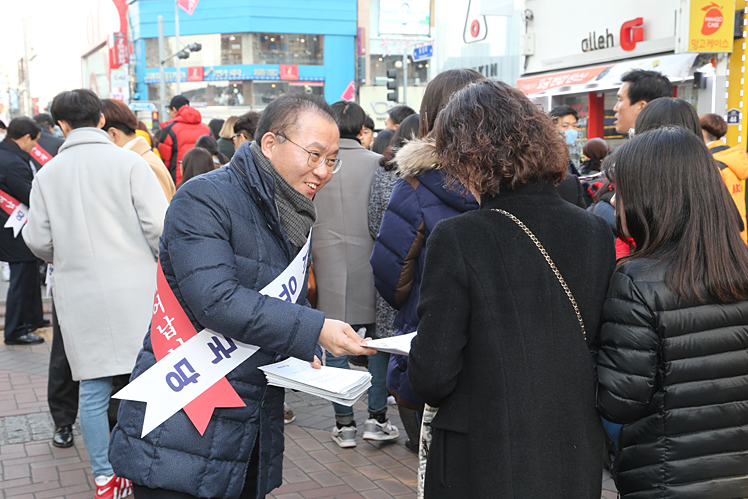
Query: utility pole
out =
(405, 77)
(162, 79)
(27, 56)
(176, 44)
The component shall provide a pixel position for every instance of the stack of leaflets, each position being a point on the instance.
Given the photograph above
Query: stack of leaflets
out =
(343, 386)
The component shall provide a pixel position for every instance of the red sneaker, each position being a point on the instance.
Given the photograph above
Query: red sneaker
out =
(112, 487)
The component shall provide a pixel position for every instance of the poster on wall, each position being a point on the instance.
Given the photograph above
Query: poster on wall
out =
(404, 18)
(710, 26)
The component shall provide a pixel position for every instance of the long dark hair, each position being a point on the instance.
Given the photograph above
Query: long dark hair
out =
(211, 145)
(438, 92)
(668, 111)
(678, 211)
(195, 162)
(408, 130)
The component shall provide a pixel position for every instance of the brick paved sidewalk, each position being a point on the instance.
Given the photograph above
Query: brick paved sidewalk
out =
(313, 466)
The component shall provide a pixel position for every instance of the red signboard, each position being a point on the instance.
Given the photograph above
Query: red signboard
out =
(536, 84)
(119, 52)
(188, 5)
(195, 73)
(289, 72)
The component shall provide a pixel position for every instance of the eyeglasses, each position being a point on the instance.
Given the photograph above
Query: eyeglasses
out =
(238, 135)
(316, 159)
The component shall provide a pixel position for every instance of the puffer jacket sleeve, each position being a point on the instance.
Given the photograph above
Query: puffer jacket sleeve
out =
(629, 350)
(397, 247)
(205, 267)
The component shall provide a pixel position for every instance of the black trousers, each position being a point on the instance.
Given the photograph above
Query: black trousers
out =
(62, 391)
(249, 491)
(23, 304)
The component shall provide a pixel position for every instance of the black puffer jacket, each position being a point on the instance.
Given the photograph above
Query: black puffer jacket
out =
(675, 373)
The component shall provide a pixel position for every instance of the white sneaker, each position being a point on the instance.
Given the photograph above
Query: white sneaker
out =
(345, 437)
(374, 430)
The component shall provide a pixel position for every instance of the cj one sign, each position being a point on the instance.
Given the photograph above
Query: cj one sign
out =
(631, 33)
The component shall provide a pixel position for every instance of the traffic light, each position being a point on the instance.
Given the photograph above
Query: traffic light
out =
(392, 84)
(192, 47)
(154, 119)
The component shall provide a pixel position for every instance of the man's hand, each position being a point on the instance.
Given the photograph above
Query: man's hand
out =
(339, 338)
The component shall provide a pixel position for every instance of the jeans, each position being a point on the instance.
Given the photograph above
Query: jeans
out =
(377, 393)
(94, 402)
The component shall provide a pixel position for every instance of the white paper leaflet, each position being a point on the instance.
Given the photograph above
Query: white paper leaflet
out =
(17, 219)
(396, 344)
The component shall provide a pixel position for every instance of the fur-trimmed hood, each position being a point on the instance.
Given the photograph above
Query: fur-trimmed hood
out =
(416, 158)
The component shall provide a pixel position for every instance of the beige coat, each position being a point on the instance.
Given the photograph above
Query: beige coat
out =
(341, 243)
(140, 146)
(97, 212)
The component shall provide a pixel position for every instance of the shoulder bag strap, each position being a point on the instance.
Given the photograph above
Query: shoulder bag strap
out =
(550, 263)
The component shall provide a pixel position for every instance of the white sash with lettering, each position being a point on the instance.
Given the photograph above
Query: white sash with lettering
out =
(188, 371)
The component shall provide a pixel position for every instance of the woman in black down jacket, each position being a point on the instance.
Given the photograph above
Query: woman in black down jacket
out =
(500, 349)
(673, 361)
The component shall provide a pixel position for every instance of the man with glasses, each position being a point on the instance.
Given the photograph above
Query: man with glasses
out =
(227, 234)
(244, 128)
(345, 287)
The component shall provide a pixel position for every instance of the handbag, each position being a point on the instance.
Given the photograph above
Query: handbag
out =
(429, 412)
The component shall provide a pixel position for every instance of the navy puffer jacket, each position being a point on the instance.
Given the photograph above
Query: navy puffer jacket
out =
(222, 243)
(420, 199)
(675, 373)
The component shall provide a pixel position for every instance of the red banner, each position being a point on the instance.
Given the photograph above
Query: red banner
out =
(119, 51)
(188, 5)
(170, 328)
(8, 203)
(39, 154)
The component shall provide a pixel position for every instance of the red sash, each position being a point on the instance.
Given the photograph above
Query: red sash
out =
(8, 203)
(170, 328)
(39, 154)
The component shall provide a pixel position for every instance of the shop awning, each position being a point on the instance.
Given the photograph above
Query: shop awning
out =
(677, 67)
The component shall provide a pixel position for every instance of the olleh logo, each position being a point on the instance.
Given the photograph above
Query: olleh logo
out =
(712, 20)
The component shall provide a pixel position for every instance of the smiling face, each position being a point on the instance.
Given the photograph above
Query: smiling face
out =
(626, 112)
(315, 133)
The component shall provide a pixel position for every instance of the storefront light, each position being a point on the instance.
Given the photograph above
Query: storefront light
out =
(272, 85)
(303, 41)
(272, 39)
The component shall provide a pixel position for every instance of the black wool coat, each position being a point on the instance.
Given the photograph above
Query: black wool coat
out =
(675, 373)
(15, 179)
(500, 350)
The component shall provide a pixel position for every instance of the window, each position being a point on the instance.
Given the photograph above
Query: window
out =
(231, 49)
(277, 48)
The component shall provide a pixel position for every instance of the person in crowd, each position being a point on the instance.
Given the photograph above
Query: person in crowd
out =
(215, 125)
(23, 304)
(565, 121)
(595, 150)
(639, 88)
(142, 131)
(340, 251)
(421, 198)
(513, 381)
(216, 258)
(385, 178)
(3, 128)
(673, 356)
(732, 162)
(120, 123)
(244, 128)
(396, 115)
(367, 133)
(180, 134)
(104, 247)
(225, 144)
(48, 144)
(381, 141)
(196, 162)
(211, 145)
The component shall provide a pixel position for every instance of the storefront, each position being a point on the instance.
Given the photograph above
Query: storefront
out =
(251, 52)
(580, 62)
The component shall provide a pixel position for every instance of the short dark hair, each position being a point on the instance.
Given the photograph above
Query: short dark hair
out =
(399, 113)
(78, 108)
(195, 162)
(668, 111)
(690, 224)
(647, 85)
(2, 125)
(490, 137)
(118, 115)
(561, 111)
(247, 124)
(382, 140)
(178, 101)
(438, 92)
(22, 126)
(369, 123)
(714, 125)
(350, 118)
(283, 113)
(408, 130)
(210, 144)
(45, 120)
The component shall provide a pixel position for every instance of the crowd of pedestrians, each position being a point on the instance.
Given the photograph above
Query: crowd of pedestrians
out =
(575, 307)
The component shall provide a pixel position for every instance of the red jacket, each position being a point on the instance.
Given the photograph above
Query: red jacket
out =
(178, 137)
